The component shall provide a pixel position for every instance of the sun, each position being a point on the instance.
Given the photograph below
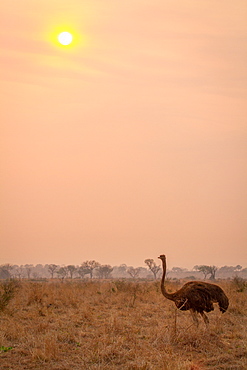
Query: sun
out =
(65, 38)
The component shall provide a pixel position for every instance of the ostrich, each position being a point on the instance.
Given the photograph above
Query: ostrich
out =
(196, 296)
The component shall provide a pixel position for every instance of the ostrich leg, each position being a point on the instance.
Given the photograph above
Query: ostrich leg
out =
(205, 318)
(194, 317)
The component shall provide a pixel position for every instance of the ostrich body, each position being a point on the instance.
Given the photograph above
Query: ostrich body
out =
(196, 296)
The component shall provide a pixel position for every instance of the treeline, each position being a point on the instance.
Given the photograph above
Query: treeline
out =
(88, 269)
(93, 269)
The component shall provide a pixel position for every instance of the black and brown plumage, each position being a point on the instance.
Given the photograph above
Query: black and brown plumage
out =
(196, 296)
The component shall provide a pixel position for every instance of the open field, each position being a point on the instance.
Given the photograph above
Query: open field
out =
(117, 325)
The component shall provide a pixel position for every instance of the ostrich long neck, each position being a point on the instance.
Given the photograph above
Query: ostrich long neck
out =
(163, 289)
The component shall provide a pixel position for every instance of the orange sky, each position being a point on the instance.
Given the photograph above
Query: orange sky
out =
(131, 142)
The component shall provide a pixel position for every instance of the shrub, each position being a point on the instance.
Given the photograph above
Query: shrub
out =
(239, 283)
(7, 292)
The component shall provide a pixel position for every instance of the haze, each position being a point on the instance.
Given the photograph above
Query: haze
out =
(130, 144)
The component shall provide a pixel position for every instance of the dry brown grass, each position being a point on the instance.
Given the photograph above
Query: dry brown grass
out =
(117, 325)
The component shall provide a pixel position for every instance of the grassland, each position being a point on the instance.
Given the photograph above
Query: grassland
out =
(117, 325)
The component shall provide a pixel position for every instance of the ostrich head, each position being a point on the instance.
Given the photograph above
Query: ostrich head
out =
(162, 257)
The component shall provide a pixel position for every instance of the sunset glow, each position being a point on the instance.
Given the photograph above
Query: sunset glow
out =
(123, 132)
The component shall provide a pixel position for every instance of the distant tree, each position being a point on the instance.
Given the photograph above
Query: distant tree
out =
(238, 268)
(28, 269)
(133, 272)
(82, 271)
(39, 271)
(19, 272)
(212, 270)
(202, 268)
(122, 269)
(244, 272)
(71, 270)
(152, 267)
(35, 275)
(178, 269)
(88, 267)
(5, 271)
(52, 269)
(229, 270)
(62, 272)
(226, 270)
(143, 272)
(206, 270)
(104, 271)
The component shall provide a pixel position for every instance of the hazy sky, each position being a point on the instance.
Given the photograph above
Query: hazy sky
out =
(132, 141)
